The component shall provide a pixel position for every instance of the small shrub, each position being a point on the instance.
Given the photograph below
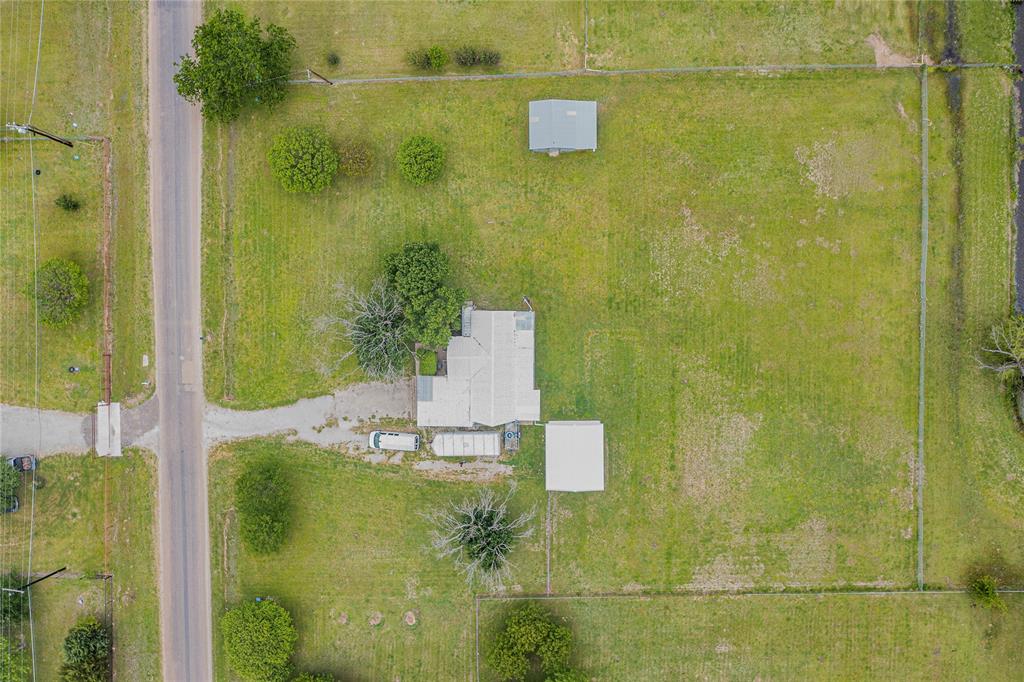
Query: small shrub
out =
(985, 591)
(303, 159)
(529, 634)
(354, 159)
(262, 498)
(259, 639)
(333, 59)
(62, 290)
(314, 677)
(68, 203)
(469, 56)
(86, 653)
(14, 664)
(10, 479)
(433, 58)
(428, 362)
(420, 159)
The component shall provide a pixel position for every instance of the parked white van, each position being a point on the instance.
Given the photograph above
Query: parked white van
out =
(393, 440)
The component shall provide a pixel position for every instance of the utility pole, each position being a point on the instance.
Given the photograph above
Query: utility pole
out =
(29, 129)
(24, 587)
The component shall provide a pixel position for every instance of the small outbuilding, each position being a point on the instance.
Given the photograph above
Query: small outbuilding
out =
(574, 456)
(467, 444)
(563, 125)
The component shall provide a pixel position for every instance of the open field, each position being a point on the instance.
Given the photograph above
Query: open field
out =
(96, 92)
(372, 38)
(699, 317)
(75, 236)
(843, 636)
(974, 467)
(94, 516)
(357, 544)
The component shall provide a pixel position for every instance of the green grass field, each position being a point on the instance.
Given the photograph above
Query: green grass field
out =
(697, 317)
(98, 92)
(905, 637)
(372, 38)
(95, 516)
(358, 544)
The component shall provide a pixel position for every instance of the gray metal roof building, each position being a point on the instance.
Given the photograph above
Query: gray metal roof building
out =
(563, 125)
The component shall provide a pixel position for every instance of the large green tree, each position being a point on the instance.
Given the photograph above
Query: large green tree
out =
(303, 159)
(86, 653)
(259, 638)
(61, 290)
(530, 633)
(418, 273)
(234, 65)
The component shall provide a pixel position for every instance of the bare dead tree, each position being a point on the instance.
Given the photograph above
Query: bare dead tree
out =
(1005, 353)
(374, 324)
(479, 534)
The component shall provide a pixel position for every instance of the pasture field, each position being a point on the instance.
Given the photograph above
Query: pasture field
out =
(372, 38)
(95, 516)
(358, 544)
(87, 93)
(738, 302)
(842, 636)
(974, 470)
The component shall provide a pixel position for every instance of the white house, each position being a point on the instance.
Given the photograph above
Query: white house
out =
(489, 378)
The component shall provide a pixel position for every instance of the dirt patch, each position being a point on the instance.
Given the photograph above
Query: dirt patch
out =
(569, 44)
(687, 255)
(479, 471)
(886, 56)
(376, 618)
(723, 575)
(715, 449)
(409, 618)
(839, 169)
(811, 549)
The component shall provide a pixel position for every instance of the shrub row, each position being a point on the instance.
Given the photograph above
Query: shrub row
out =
(435, 57)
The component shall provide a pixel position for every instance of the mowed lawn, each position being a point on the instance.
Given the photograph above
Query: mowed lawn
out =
(94, 92)
(94, 516)
(358, 544)
(791, 637)
(729, 283)
(61, 234)
(974, 452)
(372, 38)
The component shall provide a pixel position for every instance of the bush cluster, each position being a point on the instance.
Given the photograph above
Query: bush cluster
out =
(985, 590)
(10, 479)
(470, 56)
(418, 274)
(303, 159)
(531, 634)
(14, 664)
(86, 653)
(354, 159)
(259, 639)
(68, 203)
(61, 290)
(263, 498)
(420, 159)
(333, 59)
(433, 58)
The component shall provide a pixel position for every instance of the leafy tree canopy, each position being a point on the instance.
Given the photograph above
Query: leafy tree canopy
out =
(234, 65)
(62, 290)
(530, 632)
(303, 159)
(13, 605)
(432, 320)
(86, 652)
(420, 159)
(418, 273)
(10, 479)
(262, 498)
(259, 639)
(14, 664)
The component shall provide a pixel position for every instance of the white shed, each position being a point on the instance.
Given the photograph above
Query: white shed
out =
(467, 444)
(574, 456)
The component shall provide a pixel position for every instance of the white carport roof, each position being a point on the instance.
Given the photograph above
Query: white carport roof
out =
(574, 456)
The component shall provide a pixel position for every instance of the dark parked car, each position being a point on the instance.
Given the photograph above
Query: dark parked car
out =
(23, 463)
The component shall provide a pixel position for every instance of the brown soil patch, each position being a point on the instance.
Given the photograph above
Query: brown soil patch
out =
(409, 618)
(840, 169)
(376, 618)
(811, 552)
(884, 55)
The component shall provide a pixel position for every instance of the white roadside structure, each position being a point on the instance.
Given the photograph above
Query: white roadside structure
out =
(467, 444)
(489, 379)
(574, 456)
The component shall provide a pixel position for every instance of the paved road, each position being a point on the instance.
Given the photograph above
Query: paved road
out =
(174, 161)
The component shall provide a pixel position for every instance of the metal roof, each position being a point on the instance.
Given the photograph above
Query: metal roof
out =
(467, 444)
(490, 375)
(563, 125)
(574, 456)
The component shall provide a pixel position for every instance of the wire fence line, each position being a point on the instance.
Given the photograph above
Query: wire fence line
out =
(667, 70)
(919, 469)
